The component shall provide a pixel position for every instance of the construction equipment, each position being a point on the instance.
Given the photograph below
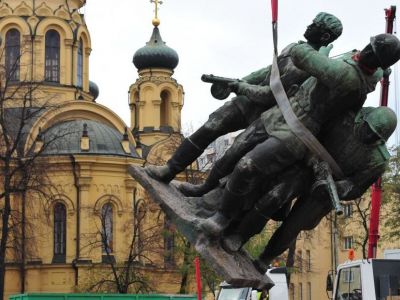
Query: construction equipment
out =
(366, 279)
(278, 292)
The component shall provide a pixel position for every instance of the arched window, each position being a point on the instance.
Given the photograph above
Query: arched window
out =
(52, 60)
(60, 232)
(139, 214)
(164, 109)
(107, 228)
(13, 52)
(80, 64)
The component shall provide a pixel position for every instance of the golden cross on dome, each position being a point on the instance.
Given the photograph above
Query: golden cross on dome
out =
(156, 20)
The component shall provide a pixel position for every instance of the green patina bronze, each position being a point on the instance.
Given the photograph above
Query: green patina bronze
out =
(268, 166)
(329, 22)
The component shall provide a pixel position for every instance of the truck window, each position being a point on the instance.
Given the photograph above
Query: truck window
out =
(349, 284)
(386, 278)
(233, 294)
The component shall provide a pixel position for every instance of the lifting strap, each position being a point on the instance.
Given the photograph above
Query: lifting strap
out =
(283, 103)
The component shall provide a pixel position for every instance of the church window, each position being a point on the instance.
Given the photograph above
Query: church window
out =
(80, 64)
(12, 55)
(164, 109)
(60, 230)
(107, 228)
(52, 56)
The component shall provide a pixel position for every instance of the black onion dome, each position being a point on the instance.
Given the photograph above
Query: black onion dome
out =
(155, 54)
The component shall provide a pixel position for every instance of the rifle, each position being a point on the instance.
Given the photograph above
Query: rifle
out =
(325, 180)
(217, 79)
(220, 85)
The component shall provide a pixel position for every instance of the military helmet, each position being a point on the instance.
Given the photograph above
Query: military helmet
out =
(329, 22)
(386, 47)
(382, 120)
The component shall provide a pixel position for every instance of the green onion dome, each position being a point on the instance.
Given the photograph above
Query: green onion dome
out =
(155, 54)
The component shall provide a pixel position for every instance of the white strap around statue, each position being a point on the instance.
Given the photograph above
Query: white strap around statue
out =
(291, 119)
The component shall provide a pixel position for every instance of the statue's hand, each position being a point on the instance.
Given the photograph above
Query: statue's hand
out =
(238, 87)
(325, 50)
(387, 72)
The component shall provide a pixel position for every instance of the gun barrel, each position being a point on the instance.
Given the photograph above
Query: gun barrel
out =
(216, 79)
(334, 196)
(323, 172)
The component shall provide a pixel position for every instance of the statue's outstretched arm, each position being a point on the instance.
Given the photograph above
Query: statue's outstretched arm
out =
(331, 72)
(257, 77)
(256, 93)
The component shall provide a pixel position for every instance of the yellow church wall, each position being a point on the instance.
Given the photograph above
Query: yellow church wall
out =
(35, 49)
(53, 4)
(12, 281)
(102, 180)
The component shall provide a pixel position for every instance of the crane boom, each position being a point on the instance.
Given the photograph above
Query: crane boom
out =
(390, 14)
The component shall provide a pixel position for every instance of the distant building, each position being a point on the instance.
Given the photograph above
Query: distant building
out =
(216, 150)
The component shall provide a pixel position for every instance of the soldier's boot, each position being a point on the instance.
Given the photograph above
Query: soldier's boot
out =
(232, 243)
(252, 223)
(197, 190)
(271, 251)
(186, 153)
(215, 224)
(230, 207)
(262, 265)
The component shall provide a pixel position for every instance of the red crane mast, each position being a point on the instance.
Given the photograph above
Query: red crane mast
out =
(377, 186)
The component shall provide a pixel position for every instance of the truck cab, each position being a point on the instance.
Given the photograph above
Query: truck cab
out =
(368, 279)
(278, 292)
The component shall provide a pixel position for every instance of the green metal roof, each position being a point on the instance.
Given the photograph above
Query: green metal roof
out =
(65, 138)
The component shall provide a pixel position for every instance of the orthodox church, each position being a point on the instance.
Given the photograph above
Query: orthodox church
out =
(88, 220)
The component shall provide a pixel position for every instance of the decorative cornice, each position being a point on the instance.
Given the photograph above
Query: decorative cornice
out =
(84, 182)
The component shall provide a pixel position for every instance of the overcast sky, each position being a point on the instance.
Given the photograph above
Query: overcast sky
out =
(224, 37)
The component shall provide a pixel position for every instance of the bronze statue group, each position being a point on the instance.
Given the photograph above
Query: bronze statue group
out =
(268, 172)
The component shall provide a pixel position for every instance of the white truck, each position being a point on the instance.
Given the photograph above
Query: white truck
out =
(278, 292)
(366, 279)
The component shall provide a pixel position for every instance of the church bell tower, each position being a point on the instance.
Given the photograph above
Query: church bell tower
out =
(156, 98)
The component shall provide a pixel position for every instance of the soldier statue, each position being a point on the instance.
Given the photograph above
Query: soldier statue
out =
(357, 143)
(335, 87)
(241, 111)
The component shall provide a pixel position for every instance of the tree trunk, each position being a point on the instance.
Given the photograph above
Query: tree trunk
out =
(23, 239)
(185, 273)
(3, 243)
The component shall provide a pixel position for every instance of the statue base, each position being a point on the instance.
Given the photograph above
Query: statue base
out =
(186, 212)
